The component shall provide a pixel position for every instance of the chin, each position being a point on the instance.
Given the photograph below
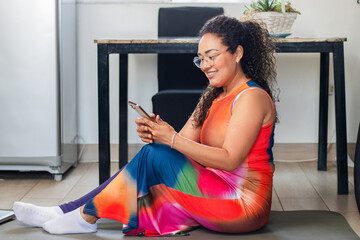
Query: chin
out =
(215, 84)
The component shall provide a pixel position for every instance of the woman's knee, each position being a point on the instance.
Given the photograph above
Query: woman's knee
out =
(162, 156)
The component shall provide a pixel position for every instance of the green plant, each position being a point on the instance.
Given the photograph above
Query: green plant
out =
(269, 6)
(288, 8)
(263, 6)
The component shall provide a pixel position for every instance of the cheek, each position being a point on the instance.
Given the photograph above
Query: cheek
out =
(228, 63)
(228, 69)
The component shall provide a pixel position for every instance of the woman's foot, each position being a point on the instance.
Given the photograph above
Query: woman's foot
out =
(33, 215)
(71, 222)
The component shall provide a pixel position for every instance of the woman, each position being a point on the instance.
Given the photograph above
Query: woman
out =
(216, 172)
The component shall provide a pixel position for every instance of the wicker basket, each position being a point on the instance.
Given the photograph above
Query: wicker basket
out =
(276, 22)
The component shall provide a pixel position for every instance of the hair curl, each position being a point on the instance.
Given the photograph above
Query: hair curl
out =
(258, 61)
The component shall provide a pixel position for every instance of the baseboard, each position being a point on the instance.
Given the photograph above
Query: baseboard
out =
(288, 151)
(301, 151)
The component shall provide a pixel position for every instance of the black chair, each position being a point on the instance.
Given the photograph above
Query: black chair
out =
(357, 170)
(180, 82)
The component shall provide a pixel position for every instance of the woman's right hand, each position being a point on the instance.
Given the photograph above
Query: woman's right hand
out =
(143, 130)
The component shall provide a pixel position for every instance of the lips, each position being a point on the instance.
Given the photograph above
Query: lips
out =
(211, 74)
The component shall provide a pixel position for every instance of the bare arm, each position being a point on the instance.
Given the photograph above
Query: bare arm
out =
(252, 110)
(189, 130)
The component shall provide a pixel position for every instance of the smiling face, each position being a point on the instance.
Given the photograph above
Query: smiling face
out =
(219, 65)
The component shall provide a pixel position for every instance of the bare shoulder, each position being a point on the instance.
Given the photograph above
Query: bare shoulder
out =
(255, 101)
(254, 95)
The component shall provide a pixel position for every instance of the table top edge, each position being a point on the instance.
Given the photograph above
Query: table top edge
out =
(196, 40)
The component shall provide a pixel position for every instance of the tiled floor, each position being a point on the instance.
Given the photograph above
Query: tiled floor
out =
(297, 186)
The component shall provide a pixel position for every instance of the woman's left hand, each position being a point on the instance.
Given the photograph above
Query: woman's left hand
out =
(161, 131)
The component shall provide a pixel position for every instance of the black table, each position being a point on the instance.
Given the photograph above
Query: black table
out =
(324, 46)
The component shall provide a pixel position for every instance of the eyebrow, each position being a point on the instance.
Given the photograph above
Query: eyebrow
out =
(207, 51)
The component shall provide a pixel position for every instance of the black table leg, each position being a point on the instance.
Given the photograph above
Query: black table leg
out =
(123, 119)
(323, 110)
(340, 112)
(357, 170)
(104, 113)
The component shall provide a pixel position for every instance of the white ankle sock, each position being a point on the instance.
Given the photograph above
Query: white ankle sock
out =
(33, 215)
(71, 222)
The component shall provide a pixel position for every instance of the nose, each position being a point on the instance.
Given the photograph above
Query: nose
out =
(205, 65)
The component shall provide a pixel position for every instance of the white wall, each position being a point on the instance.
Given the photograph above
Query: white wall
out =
(298, 74)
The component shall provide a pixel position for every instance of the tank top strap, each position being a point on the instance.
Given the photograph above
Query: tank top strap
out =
(255, 88)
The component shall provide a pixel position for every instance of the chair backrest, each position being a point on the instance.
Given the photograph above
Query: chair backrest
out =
(177, 71)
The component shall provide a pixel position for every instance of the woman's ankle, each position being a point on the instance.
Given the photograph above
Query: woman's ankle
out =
(88, 218)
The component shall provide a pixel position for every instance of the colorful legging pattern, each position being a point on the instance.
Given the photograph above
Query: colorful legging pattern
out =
(163, 192)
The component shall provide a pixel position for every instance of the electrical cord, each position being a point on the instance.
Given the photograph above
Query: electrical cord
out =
(75, 140)
(350, 161)
(309, 159)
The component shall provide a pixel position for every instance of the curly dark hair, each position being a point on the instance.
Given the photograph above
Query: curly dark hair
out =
(258, 61)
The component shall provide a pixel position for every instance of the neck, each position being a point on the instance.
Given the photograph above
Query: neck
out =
(239, 80)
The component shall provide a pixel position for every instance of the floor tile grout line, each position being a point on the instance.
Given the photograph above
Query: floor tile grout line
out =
(26, 192)
(277, 196)
(316, 190)
(75, 183)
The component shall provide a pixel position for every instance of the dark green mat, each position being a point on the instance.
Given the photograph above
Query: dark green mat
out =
(297, 225)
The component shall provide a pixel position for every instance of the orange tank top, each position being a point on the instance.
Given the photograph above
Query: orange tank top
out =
(214, 129)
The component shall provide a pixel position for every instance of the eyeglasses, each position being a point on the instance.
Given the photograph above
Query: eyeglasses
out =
(208, 59)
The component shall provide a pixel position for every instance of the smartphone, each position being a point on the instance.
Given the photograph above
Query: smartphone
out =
(139, 110)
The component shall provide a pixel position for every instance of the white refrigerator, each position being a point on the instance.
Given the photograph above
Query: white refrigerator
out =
(38, 123)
